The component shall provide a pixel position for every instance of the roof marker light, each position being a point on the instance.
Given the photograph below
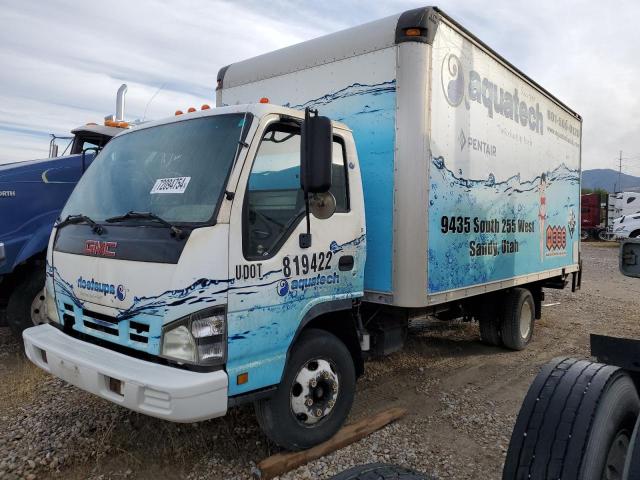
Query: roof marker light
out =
(412, 32)
(191, 109)
(178, 112)
(264, 100)
(205, 107)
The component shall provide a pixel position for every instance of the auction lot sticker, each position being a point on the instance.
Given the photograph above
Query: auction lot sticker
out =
(171, 185)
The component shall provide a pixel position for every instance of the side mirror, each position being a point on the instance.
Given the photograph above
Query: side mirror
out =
(95, 151)
(315, 153)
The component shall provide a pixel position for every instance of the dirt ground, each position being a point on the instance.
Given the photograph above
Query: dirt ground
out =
(463, 398)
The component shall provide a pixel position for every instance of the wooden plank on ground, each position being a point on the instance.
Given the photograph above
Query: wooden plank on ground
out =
(283, 462)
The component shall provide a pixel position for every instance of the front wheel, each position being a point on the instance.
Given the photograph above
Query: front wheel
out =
(315, 395)
(584, 235)
(26, 306)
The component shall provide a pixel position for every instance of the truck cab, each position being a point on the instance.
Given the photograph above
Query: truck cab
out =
(191, 247)
(32, 193)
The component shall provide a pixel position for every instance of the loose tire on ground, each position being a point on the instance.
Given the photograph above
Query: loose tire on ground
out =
(27, 294)
(489, 321)
(518, 317)
(380, 471)
(276, 414)
(574, 419)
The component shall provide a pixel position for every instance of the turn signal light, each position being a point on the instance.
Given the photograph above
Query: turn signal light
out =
(264, 100)
(205, 107)
(412, 32)
(242, 378)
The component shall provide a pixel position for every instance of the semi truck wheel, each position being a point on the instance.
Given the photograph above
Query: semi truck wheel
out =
(489, 321)
(315, 395)
(575, 423)
(380, 471)
(26, 303)
(632, 464)
(518, 318)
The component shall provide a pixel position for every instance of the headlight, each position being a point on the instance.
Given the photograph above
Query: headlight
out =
(51, 309)
(199, 338)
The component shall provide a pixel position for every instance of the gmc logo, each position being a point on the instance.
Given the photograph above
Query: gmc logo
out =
(103, 249)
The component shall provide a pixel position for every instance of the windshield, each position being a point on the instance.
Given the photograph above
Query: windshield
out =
(176, 171)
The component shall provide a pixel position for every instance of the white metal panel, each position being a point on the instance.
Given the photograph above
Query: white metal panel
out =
(411, 180)
(351, 42)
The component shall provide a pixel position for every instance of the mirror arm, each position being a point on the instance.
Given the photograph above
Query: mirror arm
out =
(305, 238)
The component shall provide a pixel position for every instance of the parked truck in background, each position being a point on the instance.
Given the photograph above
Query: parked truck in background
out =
(257, 252)
(32, 194)
(591, 218)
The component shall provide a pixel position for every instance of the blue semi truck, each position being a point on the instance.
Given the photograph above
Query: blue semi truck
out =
(32, 194)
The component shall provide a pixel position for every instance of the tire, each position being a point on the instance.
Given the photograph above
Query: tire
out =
(518, 317)
(632, 464)
(315, 351)
(28, 293)
(635, 234)
(584, 235)
(570, 422)
(604, 236)
(380, 471)
(489, 322)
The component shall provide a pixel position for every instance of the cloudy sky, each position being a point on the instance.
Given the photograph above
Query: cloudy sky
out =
(62, 61)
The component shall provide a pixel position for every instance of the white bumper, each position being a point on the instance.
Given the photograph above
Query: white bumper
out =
(153, 389)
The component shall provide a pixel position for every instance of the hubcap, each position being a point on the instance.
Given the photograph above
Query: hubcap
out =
(525, 320)
(38, 315)
(314, 391)
(616, 457)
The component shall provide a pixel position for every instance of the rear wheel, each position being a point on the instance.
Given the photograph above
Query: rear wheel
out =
(489, 321)
(584, 234)
(604, 236)
(575, 423)
(518, 318)
(315, 395)
(26, 306)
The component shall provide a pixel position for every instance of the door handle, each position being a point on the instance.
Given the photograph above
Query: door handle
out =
(345, 263)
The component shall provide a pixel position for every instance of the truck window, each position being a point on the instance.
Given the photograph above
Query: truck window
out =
(274, 203)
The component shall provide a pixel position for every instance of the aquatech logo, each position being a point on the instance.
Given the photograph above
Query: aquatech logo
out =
(118, 292)
(474, 89)
(284, 286)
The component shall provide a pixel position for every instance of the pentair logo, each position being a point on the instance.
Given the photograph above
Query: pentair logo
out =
(98, 248)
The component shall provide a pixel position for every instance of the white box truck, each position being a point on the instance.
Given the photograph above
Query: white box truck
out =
(259, 250)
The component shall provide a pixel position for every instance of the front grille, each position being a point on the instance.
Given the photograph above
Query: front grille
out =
(142, 334)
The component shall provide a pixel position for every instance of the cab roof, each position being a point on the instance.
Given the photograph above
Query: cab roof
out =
(257, 109)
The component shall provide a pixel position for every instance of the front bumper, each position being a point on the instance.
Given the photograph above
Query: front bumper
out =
(156, 390)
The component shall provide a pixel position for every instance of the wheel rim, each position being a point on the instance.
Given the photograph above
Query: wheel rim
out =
(616, 457)
(38, 315)
(314, 391)
(525, 320)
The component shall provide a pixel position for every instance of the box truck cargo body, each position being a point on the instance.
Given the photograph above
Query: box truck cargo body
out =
(259, 251)
(471, 171)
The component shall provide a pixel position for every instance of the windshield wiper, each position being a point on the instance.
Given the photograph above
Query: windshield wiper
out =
(146, 215)
(74, 219)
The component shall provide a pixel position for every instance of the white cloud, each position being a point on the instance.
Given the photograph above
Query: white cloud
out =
(64, 60)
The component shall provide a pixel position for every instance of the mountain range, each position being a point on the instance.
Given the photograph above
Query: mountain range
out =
(607, 179)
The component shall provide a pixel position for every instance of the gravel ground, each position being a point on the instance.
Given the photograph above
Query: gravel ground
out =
(462, 396)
